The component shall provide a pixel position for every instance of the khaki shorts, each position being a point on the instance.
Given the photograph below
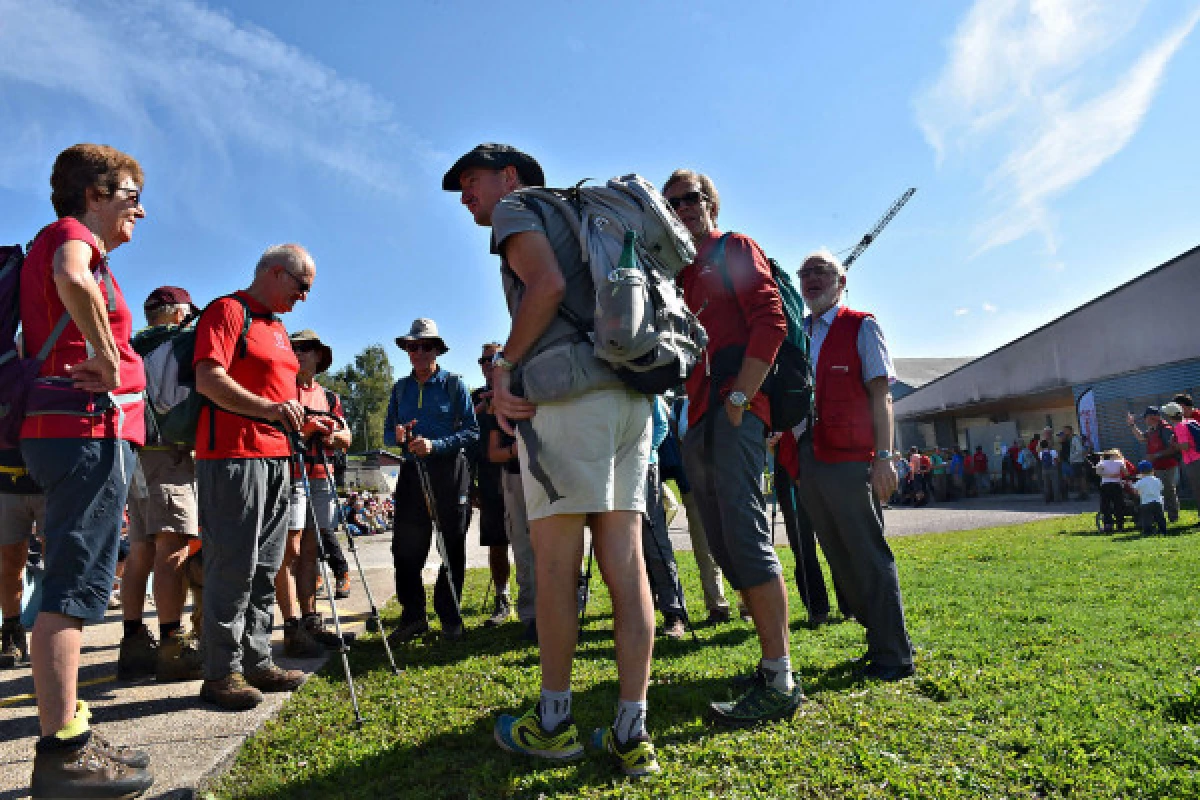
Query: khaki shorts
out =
(18, 515)
(164, 498)
(592, 455)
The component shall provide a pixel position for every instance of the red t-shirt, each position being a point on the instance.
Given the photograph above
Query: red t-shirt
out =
(314, 397)
(268, 370)
(41, 308)
(752, 317)
(980, 460)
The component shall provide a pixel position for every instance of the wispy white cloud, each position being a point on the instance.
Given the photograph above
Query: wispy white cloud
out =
(175, 72)
(1022, 80)
(989, 308)
(961, 312)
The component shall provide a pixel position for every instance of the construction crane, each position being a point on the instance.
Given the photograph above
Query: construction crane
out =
(879, 226)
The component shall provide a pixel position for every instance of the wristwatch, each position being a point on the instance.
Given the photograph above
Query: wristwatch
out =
(739, 399)
(883, 455)
(499, 361)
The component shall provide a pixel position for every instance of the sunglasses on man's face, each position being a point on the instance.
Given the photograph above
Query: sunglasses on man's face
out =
(304, 348)
(427, 347)
(688, 198)
(485, 361)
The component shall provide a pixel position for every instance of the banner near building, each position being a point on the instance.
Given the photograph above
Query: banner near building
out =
(1089, 426)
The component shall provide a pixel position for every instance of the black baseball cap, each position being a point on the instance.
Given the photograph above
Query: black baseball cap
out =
(495, 156)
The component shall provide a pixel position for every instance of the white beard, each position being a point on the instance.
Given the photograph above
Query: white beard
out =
(826, 300)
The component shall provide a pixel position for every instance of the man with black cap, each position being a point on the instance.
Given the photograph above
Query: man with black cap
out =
(1162, 449)
(430, 415)
(163, 519)
(584, 457)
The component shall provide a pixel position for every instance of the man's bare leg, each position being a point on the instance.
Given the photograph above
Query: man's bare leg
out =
(768, 604)
(618, 539)
(285, 579)
(557, 552)
(12, 584)
(170, 554)
(138, 564)
(55, 653)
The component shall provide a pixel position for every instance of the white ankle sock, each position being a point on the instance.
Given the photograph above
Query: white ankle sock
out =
(631, 719)
(779, 673)
(553, 708)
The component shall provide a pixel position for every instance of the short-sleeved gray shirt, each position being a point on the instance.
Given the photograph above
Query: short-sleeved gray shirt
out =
(517, 213)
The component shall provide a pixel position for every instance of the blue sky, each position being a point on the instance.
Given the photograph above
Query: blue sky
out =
(1052, 143)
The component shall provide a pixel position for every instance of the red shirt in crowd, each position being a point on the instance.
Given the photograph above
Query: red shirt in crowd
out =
(753, 316)
(314, 397)
(268, 370)
(981, 463)
(41, 308)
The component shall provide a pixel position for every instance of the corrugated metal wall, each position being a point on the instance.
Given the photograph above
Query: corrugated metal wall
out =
(1132, 392)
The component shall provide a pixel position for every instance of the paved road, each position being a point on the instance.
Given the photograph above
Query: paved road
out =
(188, 740)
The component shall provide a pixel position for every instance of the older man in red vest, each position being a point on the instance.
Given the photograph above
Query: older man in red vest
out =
(845, 464)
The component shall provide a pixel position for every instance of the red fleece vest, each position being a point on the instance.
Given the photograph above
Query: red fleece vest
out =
(843, 430)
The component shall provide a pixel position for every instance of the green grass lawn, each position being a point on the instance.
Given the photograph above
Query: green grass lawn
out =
(1052, 662)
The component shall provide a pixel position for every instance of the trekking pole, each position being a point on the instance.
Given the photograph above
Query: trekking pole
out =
(585, 582)
(431, 507)
(487, 591)
(341, 514)
(343, 648)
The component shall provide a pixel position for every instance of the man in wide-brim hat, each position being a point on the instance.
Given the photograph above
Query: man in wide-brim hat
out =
(422, 330)
(307, 339)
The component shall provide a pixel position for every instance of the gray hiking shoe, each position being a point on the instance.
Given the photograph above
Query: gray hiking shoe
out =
(85, 770)
(502, 613)
(14, 648)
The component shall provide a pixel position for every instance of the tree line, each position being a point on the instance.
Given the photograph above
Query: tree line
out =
(364, 387)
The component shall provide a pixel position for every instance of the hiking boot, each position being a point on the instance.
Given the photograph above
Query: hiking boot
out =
(85, 770)
(743, 683)
(342, 587)
(178, 658)
(231, 693)
(139, 656)
(635, 758)
(138, 759)
(299, 643)
(760, 703)
(719, 616)
(502, 613)
(408, 631)
(315, 625)
(525, 735)
(14, 649)
(276, 679)
(673, 627)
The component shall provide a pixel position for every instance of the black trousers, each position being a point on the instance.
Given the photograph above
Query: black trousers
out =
(334, 556)
(1112, 505)
(449, 477)
(810, 582)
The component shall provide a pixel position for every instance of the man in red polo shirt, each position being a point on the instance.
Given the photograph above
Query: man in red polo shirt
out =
(242, 475)
(730, 288)
(846, 469)
(1162, 450)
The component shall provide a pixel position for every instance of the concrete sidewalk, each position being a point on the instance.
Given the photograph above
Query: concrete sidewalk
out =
(190, 741)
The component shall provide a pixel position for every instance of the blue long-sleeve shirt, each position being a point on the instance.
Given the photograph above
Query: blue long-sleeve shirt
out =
(435, 411)
(660, 429)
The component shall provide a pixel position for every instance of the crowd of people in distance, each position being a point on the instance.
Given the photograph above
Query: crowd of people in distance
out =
(225, 480)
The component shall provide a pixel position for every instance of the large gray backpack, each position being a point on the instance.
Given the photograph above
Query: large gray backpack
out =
(641, 326)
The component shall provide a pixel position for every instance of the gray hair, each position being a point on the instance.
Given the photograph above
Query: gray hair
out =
(291, 257)
(823, 254)
(162, 312)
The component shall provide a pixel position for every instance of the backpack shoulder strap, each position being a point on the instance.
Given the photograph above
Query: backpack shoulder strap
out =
(250, 316)
(454, 389)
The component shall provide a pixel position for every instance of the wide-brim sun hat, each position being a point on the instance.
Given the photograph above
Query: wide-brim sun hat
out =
(422, 329)
(309, 336)
(491, 155)
(1172, 410)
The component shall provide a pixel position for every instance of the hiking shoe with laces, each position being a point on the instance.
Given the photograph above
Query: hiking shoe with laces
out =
(760, 703)
(501, 614)
(179, 658)
(742, 683)
(635, 758)
(138, 759)
(315, 625)
(85, 770)
(525, 735)
(138, 658)
(673, 627)
(14, 647)
(274, 678)
(231, 693)
(408, 631)
(299, 643)
(342, 589)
